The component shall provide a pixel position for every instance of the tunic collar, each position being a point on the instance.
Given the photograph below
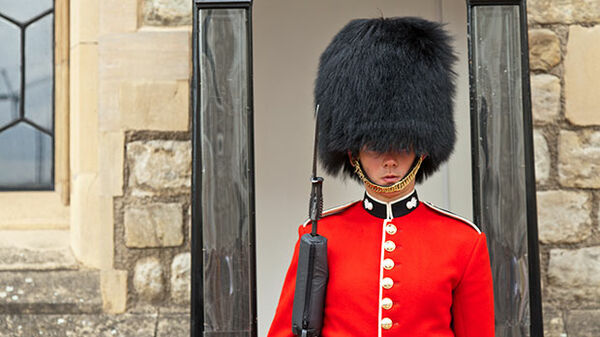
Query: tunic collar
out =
(392, 209)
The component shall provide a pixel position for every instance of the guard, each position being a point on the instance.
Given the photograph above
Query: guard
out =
(397, 266)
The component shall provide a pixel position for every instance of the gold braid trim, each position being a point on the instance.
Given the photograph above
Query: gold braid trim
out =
(399, 186)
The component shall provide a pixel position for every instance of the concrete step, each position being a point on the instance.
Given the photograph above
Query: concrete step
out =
(50, 292)
(35, 250)
(125, 325)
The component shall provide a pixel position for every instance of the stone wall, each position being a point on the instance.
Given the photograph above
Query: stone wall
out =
(153, 218)
(564, 41)
(152, 215)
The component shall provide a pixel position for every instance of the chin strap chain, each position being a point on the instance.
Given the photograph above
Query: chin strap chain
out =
(399, 186)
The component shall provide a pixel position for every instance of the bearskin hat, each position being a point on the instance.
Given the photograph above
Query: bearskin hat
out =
(387, 84)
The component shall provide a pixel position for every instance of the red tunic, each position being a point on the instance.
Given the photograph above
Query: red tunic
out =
(425, 273)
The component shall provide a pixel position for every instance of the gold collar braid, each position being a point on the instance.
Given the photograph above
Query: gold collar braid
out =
(399, 186)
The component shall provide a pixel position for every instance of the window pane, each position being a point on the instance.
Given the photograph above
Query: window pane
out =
(26, 95)
(38, 72)
(10, 75)
(224, 65)
(24, 10)
(26, 157)
(497, 70)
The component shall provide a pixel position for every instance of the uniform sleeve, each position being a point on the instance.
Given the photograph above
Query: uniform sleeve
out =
(282, 323)
(473, 298)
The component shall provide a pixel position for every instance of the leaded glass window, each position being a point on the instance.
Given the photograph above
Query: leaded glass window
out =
(26, 94)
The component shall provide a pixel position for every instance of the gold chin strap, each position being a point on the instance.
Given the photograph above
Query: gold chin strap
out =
(399, 186)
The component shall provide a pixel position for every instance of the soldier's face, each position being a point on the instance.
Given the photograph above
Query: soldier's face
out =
(386, 168)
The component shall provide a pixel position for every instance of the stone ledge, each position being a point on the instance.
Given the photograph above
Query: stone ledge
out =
(130, 325)
(35, 250)
(63, 292)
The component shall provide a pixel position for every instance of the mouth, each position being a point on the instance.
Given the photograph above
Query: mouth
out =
(390, 179)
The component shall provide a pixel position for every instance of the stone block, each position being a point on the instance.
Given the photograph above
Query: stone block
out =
(180, 278)
(564, 216)
(545, 98)
(83, 115)
(579, 158)
(153, 225)
(64, 292)
(563, 11)
(167, 12)
(83, 21)
(92, 236)
(574, 276)
(554, 325)
(159, 165)
(33, 210)
(146, 55)
(544, 49)
(114, 291)
(582, 70)
(154, 105)
(584, 323)
(117, 16)
(542, 157)
(35, 250)
(148, 279)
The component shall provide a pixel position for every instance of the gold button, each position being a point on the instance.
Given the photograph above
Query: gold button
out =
(386, 303)
(390, 229)
(386, 323)
(389, 246)
(388, 264)
(387, 283)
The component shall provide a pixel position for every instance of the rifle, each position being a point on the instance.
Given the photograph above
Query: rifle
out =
(313, 271)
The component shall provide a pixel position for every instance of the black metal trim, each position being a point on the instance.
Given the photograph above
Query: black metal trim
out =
(494, 3)
(475, 165)
(221, 5)
(251, 189)
(535, 292)
(197, 263)
(197, 300)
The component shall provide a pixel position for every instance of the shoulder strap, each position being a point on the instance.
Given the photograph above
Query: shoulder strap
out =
(332, 211)
(452, 215)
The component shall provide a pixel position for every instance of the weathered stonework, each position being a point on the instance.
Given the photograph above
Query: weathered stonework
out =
(544, 49)
(148, 279)
(570, 218)
(585, 322)
(554, 325)
(579, 158)
(153, 225)
(167, 12)
(159, 165)
(582, 71)
(545, 98)
(542, 157)
(574, 275)
(564, 11)
(180, 278)
(155, 105)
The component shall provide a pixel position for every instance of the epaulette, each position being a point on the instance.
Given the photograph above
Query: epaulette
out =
(332, 211)
(452, 215)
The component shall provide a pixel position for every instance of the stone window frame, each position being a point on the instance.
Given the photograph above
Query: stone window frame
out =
(48, 209)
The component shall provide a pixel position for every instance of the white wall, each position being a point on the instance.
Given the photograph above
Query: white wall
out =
(288, 38)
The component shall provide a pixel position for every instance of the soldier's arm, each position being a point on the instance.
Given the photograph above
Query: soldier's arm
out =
(473, 298)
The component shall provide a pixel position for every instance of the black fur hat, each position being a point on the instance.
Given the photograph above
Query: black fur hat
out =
(387, 84)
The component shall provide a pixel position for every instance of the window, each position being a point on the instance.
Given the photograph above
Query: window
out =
(27, 95)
